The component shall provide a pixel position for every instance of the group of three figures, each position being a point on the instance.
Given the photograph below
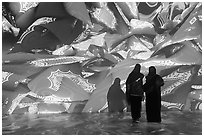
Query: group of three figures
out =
(135, 90)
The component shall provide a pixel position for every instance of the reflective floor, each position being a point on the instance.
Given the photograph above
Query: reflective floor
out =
(173, 123)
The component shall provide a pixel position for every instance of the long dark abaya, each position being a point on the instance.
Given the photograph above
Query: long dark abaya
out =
(152, 89)
(116, 97)
(133, 95)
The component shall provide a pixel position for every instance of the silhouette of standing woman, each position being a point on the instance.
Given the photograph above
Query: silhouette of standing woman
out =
(116, 97)
(134, 92)
(152, 89)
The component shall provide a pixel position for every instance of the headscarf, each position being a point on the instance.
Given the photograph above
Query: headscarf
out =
(152, 73)
(152, 70)
(117, 82)
(134, 75)
(115, 88)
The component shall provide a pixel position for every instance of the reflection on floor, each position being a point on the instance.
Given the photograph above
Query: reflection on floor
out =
(173, 123)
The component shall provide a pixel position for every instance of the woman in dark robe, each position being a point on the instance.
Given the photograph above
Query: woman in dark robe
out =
(116, 97)
(152, 89)
(134, 92)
